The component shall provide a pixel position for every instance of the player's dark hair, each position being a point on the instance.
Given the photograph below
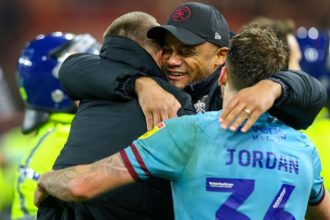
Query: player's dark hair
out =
(282, 27)
(255, 54)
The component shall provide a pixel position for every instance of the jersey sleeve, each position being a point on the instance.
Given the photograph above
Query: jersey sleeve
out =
(318, 191)
(162, 152)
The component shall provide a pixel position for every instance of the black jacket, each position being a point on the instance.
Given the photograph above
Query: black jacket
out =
(302, 95)
(103, 127)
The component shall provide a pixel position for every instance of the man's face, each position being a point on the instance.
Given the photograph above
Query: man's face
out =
(183, 64)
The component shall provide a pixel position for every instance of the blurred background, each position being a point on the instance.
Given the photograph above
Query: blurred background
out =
(22, 20)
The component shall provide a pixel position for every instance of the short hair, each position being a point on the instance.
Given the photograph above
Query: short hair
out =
(132, 25)
(253, 55)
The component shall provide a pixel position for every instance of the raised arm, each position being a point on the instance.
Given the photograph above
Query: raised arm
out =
(84, 181)
(84, 76)
(299, 97)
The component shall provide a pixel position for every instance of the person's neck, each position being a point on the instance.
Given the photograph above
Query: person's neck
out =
(228, 94)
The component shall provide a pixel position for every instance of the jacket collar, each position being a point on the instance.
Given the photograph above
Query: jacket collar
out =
(199, 89)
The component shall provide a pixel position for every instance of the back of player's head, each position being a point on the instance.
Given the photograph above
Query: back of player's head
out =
(37, 74)
(254, 54)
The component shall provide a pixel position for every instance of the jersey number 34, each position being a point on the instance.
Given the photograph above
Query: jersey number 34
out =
(240, 190)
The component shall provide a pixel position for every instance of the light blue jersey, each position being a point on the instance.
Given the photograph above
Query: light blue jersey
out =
(270, 172)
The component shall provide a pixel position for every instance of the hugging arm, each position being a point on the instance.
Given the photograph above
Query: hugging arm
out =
(86, 76)
(305, 98)
(83, 181)
(158, 103)
(299, 98)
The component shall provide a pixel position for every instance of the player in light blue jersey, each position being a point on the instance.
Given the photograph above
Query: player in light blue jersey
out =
(269, 172)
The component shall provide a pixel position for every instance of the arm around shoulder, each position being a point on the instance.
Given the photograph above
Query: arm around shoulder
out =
(156, 99)
(84, 182)
(88, 76)
(303, 97)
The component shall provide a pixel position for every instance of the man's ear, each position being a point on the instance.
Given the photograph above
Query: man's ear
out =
(223, 76)
(159, 55)
(221, 55)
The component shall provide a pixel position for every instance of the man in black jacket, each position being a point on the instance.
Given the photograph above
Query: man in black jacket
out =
(189, 43)
(101, 127)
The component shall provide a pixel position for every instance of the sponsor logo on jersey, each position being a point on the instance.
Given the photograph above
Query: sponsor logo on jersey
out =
(153, 131)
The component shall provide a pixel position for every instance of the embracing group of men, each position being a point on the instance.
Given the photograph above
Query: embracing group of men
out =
(247, 161)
